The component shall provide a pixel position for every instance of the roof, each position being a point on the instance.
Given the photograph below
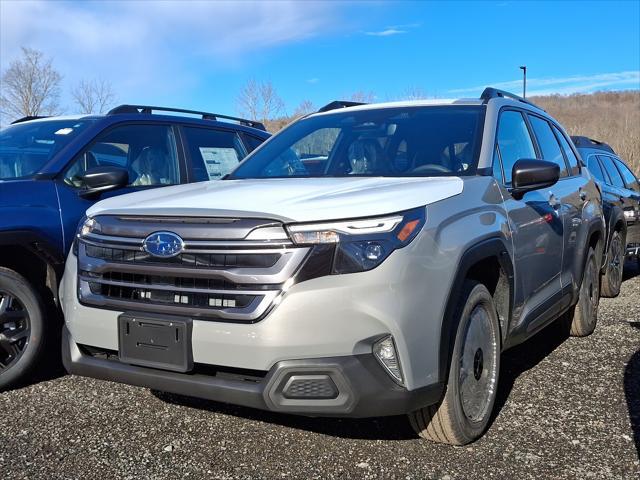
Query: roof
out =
(586, 142)
(407, 103)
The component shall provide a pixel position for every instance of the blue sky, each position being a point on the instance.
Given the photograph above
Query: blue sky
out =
(197, 54)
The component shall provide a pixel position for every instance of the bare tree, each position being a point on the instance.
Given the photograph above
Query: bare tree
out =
(259, 101)
(363, 97)
(93, 96)
(305, 107)
(414, 93)
(30, 86)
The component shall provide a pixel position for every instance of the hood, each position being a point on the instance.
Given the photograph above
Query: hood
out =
(285, 199)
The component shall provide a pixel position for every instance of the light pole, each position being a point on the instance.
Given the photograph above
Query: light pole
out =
(524, 81)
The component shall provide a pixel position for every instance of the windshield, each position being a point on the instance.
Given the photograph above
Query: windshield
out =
(26, 147)
(389, 142)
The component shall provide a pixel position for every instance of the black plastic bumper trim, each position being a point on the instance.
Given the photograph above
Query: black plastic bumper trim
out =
(365, 390)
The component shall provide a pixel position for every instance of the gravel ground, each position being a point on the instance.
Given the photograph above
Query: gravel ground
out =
(566, 409)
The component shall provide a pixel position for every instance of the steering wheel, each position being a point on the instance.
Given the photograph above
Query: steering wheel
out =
(431, 166)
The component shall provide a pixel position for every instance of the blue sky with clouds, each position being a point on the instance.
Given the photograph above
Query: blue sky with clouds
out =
(198, 54)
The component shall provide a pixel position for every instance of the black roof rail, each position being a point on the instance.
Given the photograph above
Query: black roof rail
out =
(339, 104)
(27, 118)
(491, 92)
(586, 142)
(148, 109)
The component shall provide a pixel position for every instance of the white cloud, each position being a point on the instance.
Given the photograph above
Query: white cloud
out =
(155, 48)
(393, 30)
(313, 80)
(386, 32)
(564, 85)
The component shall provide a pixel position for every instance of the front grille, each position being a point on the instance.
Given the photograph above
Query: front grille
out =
(228, 279)
(192, 260)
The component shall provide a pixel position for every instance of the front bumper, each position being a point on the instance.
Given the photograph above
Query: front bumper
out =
(326, 317)
(344, 386)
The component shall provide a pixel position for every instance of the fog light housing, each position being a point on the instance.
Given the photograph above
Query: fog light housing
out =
(386, 353)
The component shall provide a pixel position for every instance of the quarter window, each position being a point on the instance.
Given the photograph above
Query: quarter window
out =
(214, 153)
(614, 175)
(548, 143)
(514, 141)
(147, 152)
(497, 168)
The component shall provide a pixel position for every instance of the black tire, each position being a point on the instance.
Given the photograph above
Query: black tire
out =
(450, 421)
(612, 278)
(22, 328)
(584, 316)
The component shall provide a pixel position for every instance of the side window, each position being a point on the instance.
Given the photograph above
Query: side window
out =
(548, 144)
(213, 153)
(629, 178)
(514, 141)
(614, 175)
(568, 151)
(595, 168)
(147, 152)
(251, 142)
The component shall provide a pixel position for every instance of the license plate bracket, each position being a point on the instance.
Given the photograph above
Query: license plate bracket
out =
(155, 341)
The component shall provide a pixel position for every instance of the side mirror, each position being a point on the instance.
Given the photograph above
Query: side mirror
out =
(532, 174)
(103, 179)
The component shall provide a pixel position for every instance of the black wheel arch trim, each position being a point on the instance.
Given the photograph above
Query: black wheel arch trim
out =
(487, 248)
(35, 243)
(616, 216)
(41, 248)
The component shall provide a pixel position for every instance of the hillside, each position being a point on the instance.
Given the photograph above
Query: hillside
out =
(611, 117)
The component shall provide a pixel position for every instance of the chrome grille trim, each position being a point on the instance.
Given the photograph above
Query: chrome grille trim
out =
(115, 280)
(284, 268)
(136, 243)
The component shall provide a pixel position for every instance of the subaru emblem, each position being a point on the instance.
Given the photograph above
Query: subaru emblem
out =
(163, 244)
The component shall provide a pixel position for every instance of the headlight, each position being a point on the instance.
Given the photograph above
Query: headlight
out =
(89, 225)
(360, 244)
(85, 227)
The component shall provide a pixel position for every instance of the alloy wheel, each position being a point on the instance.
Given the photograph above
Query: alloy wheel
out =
(616, 261)
(478, 365)
(14, 330)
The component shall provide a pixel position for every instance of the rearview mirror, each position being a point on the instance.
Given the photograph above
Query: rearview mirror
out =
(532, 174)
(102, 179)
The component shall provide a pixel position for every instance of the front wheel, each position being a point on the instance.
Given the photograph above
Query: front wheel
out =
(612, 278)
(21, 328)
(464, 412)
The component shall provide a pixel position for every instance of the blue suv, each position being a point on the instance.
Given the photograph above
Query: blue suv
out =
(53, 169)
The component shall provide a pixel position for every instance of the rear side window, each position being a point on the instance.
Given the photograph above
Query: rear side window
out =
(596, 169)
(514, 141)
(548, 143)
(614, 175)
(629, 178)
(251, 142)
(568, 151)
(213, 153)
